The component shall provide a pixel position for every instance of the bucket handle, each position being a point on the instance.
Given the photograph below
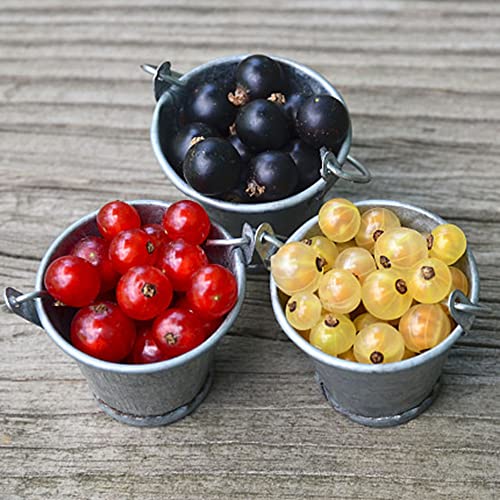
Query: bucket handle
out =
(23, 304)
(464, 311)
(164, 78)
(331, 167)
(262, 240)
(332, 170)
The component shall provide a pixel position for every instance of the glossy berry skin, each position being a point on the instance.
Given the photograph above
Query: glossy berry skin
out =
(339, 220)
(179, 260)
(374, 223)
(178, 147)
(322, 121)
(296, 267)
(307, 160)
(95, 250)
(157, 234)
(103, 331)
(358, 261)
(272, 176)
(333, 334)
(208, 104)
(143, 292)
(379, 343)
(346, 244)
(303, 310)
(115, 217)
(259, 76)
(408, 354)
(385, 294)
(292, 105)
(339, 291)
(325, 249)
(348, 355)
(243, 150)
(177, 331)
(400, 249)
(459, 281)
(133, 247)
(363, 320)
(209, 325)
(213, 291)
(187, 220)
(424, 326)
(72, 281)
(145, 349)
(447, 243)
(429, 281)
(262, 125)
(212, 166)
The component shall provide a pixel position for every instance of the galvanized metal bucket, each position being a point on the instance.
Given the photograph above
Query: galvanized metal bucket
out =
(387, 394)
(141, 395)
(171, 89)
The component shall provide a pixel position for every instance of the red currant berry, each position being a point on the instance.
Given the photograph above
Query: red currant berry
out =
(115, 217)
(94, 249)
(187, 220)
(209, 325)
(177, 331)
(72, 281)
(179, 260)
(131, 248)
(143, 292)
(213, 291)
(157, 234)
(145, 349)
(103, 331)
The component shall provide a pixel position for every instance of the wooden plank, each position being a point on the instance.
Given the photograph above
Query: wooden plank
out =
(245, 418)
(421, 80)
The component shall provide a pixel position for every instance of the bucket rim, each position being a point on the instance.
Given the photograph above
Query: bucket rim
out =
(160, 366)
(347, 365)
(245, 208)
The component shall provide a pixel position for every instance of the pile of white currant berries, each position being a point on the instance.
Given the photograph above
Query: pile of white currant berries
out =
(367, 289)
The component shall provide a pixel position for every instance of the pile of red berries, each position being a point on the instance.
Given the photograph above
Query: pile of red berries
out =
(252, 136)
(145, 293)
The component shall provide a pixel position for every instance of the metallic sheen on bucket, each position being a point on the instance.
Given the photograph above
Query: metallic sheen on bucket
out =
(386, 394)
(142, 395)
(284, 215)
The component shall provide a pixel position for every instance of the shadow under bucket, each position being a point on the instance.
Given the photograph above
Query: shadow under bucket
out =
(141, 395)
(171, 89)
(393, 393)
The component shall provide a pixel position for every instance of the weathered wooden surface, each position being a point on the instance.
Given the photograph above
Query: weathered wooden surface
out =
(422, 82)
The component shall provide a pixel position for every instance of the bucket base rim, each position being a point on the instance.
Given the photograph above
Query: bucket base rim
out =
(158, 420)
(384, 421)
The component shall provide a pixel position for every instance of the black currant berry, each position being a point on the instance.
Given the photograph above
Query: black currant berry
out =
(292, 104)
(208, 104)
(307, 160)
(181, 142)
(273, 176)
(257, 76)
(212, 166)
(262, 125)
(322, 121)
(243, 150)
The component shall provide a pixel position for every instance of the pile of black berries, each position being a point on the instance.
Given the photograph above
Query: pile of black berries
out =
(257, 141)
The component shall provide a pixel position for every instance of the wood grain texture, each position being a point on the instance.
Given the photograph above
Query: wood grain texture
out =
(422, 83)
